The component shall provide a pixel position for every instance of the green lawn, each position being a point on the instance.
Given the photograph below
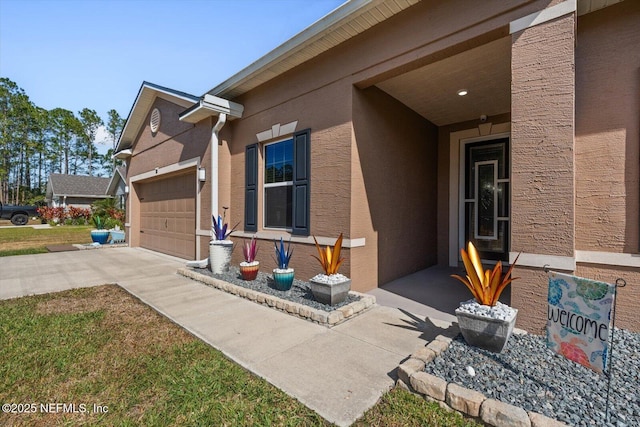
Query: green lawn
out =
(100, 346)
(27, 240)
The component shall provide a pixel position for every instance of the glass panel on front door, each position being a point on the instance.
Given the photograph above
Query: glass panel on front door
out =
(487, 197)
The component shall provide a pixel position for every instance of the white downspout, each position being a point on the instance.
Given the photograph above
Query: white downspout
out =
(213, 178)
(222, 119)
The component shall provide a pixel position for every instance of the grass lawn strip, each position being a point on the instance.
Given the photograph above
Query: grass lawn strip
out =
(28, 240)
(102, 346)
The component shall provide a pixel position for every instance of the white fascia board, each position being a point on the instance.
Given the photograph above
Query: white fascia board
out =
(302, 39)
(543, 16)
(222, 105)
(211, 106)
(123, 154)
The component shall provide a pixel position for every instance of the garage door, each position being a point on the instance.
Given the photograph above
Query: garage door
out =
(168, 215)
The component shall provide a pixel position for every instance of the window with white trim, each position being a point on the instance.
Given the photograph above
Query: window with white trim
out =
(278, 184)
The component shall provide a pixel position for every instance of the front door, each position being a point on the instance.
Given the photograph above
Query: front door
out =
(486, 198)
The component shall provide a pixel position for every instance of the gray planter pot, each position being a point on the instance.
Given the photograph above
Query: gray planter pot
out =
(484, 332)
(220, 255)
(330, 293)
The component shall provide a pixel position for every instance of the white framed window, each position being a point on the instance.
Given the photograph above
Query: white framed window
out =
(278, 184)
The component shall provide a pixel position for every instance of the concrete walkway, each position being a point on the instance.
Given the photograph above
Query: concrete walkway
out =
(339, 372)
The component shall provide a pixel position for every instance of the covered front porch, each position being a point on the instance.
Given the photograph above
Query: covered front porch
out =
(431, 292)
(475, 143)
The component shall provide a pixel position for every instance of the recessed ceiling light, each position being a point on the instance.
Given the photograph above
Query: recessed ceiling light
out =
(462, 92)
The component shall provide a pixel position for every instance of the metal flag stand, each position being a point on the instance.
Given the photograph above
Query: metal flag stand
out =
(620, 283)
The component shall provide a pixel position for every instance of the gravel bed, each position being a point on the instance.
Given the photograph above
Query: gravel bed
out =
(529, 375)
(300, 291)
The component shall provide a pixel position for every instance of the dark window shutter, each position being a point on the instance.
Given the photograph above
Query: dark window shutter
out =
(251, 188)
(301, 181)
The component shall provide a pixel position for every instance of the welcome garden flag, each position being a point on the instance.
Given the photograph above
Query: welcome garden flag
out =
(579, 319)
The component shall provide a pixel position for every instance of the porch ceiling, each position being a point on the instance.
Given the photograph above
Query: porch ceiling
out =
(431, 91)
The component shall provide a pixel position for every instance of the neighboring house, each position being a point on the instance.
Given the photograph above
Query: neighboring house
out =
(413, 126)
(117, 186)
(75, 190)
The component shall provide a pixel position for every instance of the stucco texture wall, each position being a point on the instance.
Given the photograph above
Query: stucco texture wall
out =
(325, 110)
(175, 141)
(608, 129)
(394, 188)
(542, 138)
(400, 226)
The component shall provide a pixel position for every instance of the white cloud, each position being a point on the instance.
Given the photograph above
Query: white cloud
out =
(102, 137)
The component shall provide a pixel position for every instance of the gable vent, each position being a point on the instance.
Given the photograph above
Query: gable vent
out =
(154, 123)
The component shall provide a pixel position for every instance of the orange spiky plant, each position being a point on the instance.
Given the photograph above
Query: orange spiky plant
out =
(485, 285)
(329, 258)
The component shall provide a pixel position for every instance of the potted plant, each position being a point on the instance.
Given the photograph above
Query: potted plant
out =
(220, 247)
(99, 234)
(283, 275)
(484, 321)
(249, 267)
(331, 287)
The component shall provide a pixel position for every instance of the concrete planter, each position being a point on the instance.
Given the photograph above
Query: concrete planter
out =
(330, 293)
(283, 279)
(249, 270)
(220, 255)
(484, 332)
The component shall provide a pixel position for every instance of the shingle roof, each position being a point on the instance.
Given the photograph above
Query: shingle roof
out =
(78, 185)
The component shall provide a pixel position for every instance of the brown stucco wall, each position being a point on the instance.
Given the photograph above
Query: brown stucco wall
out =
(326, 112)
(608, 129)
(532, 287)
(606, 164)
(394, 188)
(627, 297)
(542, 147)
(542, 138)
(318, 94)
(175, 141)
(302, 261)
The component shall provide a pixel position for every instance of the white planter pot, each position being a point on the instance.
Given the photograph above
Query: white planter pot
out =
(328, 291)
(220, 255)
(485, 332)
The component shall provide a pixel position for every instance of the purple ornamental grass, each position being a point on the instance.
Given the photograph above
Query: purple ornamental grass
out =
(220, 228)
(250, 250)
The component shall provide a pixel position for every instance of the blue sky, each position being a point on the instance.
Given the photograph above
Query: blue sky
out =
(96, 53)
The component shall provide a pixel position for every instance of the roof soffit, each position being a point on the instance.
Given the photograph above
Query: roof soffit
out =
(345, 22)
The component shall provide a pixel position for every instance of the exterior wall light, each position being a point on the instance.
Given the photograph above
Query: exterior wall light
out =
(202, 174)
(462, 92)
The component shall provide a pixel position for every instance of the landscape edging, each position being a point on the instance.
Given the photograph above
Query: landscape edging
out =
(454, 397)
(325, 318)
